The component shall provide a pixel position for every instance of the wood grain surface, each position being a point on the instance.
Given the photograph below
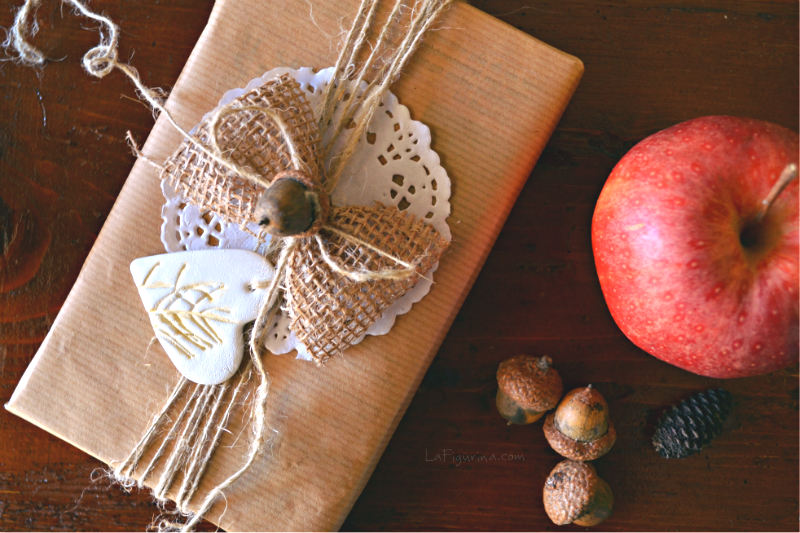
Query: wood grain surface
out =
(452, 464)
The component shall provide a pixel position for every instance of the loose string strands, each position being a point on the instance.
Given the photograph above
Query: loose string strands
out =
(176, 461)
(27, 54)
(125, 469)
(369, 100)
(263, 320)
(152, 98)
(223, 423)
(101, 61)
(171, 435)
(367, 66)
(192, 464)
(193, 449)
(339, 80)
(356, 36)
(258, 431)
(138, 153)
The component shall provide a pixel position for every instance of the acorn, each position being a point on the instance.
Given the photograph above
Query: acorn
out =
(288, 207)
(575, 494)
(527, 387)
(580, 428)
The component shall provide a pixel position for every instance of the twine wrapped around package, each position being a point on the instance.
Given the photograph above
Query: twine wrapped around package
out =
(335, 279)
(340, 275)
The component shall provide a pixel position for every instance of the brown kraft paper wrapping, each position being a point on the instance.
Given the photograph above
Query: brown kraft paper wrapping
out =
(491, 96)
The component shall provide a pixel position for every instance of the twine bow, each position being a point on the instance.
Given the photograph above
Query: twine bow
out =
(341, 273)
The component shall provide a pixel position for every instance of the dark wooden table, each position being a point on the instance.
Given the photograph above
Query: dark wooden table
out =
(452, 464)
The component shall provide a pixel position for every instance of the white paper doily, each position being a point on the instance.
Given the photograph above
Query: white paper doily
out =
(393, 164)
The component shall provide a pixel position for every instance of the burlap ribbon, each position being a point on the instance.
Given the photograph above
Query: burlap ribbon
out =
(334, 283)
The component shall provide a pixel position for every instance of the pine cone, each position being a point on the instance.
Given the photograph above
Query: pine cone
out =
(693, 423)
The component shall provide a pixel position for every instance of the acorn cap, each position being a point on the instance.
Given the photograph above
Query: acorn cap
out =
(575, 449)
(574, 490)
(530, 381)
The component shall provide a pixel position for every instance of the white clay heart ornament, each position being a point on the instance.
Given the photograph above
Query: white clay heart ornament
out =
(198, 303)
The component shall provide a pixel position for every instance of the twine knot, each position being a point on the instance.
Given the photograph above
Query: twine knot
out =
(256, 159)
(100, 60)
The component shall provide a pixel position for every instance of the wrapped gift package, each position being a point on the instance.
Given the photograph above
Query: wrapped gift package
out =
(491, 96)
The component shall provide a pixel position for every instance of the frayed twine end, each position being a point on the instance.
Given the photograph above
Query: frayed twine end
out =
(98, 62)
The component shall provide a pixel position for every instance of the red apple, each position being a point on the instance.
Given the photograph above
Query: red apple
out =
(696, 246)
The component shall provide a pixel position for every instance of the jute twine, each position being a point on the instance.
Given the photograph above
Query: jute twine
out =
(251, 140)
(337, 279)
(328, 268)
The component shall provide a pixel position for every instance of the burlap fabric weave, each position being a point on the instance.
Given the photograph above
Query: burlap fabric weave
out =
(251, 140)
(329, 311)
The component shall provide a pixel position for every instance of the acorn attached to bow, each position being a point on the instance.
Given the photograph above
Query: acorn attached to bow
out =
(575, 494)
(580, 429)
(290, 206)
(339, 267)
(527, 387)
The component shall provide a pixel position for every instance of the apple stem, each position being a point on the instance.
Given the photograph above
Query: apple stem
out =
(787, 176)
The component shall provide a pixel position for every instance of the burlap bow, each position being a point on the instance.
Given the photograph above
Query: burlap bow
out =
(353, 262)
